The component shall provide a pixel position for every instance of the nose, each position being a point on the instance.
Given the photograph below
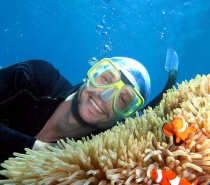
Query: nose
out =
(108, 94)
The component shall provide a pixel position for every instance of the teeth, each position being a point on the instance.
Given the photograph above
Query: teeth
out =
(94, 104)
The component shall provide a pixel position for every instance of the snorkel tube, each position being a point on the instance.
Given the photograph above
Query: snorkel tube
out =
(171, 65)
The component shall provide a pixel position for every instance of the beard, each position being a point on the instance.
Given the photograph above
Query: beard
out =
(75, 109)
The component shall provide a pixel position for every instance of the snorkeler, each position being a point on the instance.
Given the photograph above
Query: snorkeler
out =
(39, 106)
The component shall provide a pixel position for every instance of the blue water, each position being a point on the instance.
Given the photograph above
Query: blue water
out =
(69, 32)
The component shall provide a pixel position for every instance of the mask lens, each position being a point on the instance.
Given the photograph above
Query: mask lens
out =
(127, 101)
(103, 74)
(125, 98)
(107, 77)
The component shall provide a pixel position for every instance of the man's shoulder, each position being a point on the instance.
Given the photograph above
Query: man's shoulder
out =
(45, 78)
(39, 64)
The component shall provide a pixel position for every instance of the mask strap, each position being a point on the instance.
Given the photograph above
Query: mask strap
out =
(125, 79)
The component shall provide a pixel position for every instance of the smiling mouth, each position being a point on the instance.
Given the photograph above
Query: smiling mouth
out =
(96, 106)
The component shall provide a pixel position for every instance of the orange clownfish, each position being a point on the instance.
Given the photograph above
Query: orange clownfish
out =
(169, 177)
(178, 128)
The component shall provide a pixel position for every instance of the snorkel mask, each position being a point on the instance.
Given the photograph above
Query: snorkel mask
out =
(126, 98)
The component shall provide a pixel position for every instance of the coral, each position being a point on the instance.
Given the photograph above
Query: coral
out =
(126, 153)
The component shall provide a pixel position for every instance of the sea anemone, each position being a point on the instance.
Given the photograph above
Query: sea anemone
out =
(126, 153)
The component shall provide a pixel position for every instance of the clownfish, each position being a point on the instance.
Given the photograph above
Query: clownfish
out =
(178, 128)
(169, 177)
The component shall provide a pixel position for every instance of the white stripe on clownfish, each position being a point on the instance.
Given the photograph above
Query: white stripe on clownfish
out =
(185, 124)
(175, 181)
(160, 176)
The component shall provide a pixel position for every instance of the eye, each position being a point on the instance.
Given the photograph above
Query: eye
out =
(105, 80)
(122, 100)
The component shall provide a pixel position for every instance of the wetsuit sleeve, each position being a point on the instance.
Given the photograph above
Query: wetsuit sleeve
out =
(36, 76)
(11, 140)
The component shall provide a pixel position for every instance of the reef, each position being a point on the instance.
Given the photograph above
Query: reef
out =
(126, 153)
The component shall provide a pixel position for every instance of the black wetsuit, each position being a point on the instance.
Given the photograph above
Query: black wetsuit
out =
(29, 94)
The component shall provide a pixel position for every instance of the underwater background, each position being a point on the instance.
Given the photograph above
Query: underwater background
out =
(67, 33)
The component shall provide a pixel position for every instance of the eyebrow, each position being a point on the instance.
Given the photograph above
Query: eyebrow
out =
(112, 73)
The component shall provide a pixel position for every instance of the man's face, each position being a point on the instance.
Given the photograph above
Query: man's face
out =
(92, 110)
